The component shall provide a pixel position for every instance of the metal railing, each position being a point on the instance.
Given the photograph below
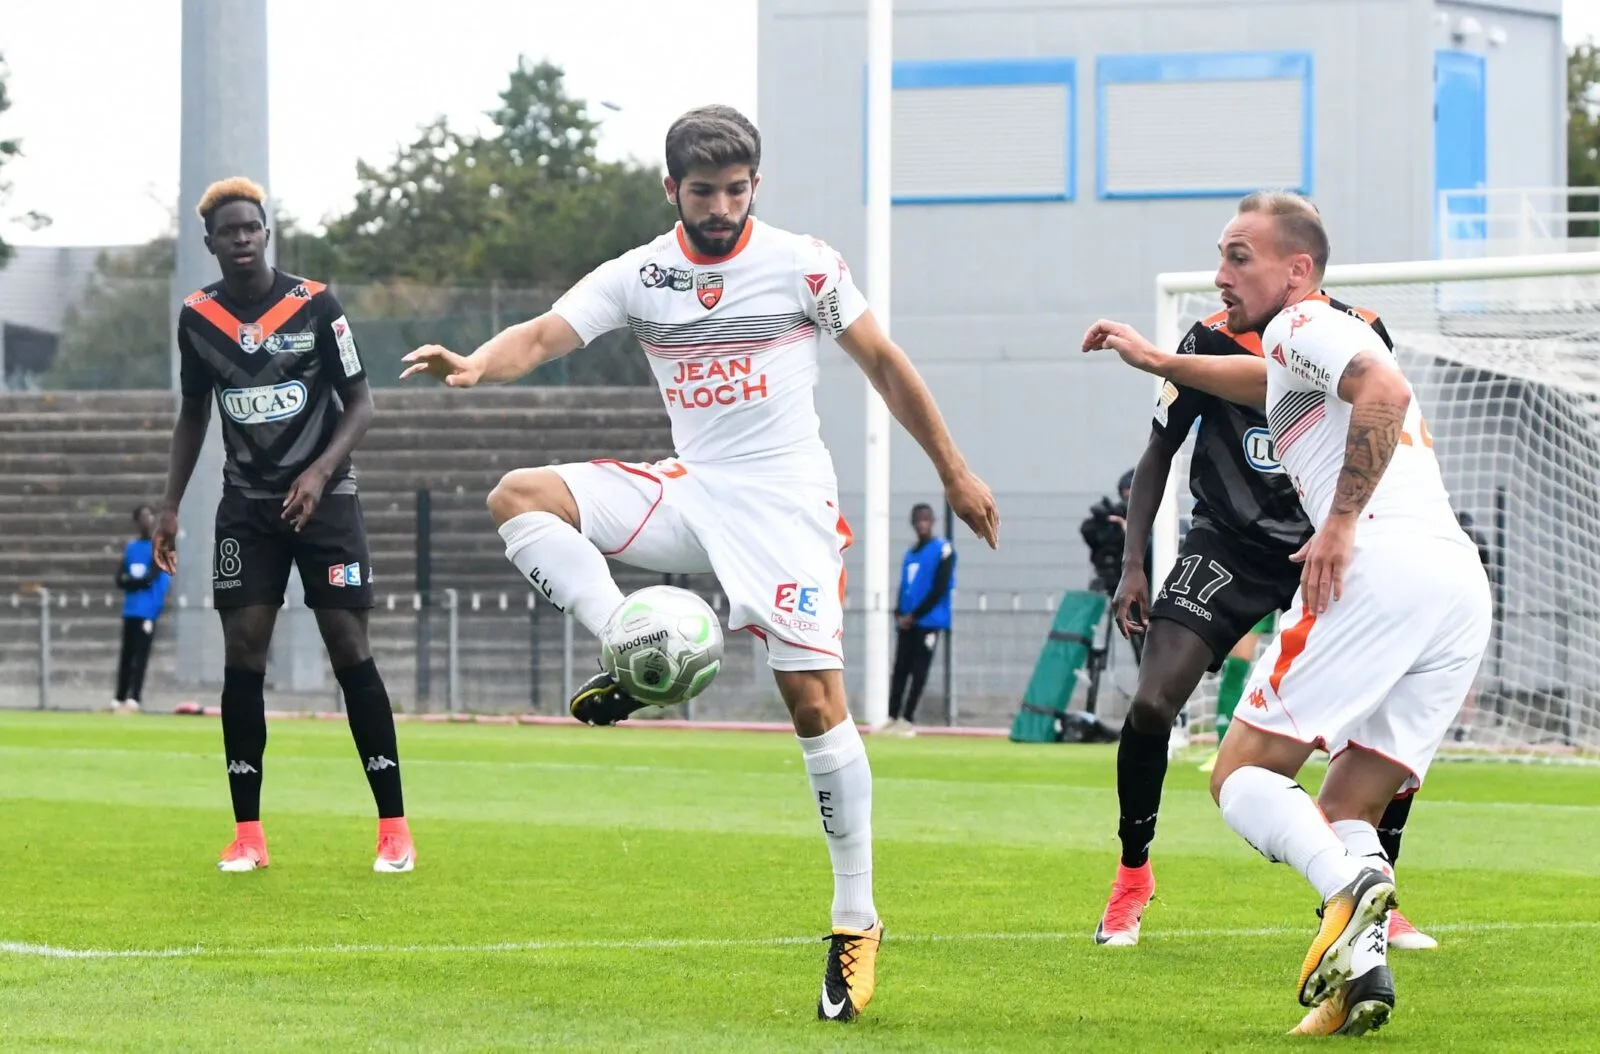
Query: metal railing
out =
(504, 652)
(1517, 221)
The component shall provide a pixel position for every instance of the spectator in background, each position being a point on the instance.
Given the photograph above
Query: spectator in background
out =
(145, 588)
(921, 613)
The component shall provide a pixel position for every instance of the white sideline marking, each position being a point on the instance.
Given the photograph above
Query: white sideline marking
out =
(50, 951)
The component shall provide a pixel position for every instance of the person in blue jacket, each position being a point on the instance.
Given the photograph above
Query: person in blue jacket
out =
(144, 586)
(921, 613)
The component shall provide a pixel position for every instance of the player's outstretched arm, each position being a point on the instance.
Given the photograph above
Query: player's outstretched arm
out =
(890, 371)
(509, 354)
(188, 436)
(1239, 379)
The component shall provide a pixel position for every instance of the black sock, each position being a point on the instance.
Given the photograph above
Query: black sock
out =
(1141, 769)
(244, 739)
(1392, 826)
(372, 725)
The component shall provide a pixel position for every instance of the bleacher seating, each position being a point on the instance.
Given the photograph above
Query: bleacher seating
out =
(74, 464)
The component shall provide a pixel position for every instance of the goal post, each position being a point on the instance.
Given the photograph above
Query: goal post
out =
(1504, 355)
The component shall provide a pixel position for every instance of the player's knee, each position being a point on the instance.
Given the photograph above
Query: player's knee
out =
(344, 634)
(531, 490)
(1153, 711)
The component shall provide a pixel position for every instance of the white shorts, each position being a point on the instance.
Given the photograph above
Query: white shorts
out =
(1389, 664)
(775, 545)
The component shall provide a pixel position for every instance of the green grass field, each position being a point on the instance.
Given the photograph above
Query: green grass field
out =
(613, 889)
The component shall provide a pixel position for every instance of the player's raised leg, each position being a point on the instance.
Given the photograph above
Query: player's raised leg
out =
(841, 783)
(1254, 786)
(561, 523)
(1174, 660)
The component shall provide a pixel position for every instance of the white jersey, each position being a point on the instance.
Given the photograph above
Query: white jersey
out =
(733, 340)
(1308, 345)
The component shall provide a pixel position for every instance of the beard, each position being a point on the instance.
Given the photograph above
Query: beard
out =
(714, 242)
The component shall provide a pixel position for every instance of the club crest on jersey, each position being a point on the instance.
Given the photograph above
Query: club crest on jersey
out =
(249, 336)
(708, 289)
(1261, 452)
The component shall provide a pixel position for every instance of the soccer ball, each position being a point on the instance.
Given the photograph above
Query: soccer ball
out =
(664, 645)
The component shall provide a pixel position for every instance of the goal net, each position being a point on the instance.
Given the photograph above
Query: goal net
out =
(1504, 355)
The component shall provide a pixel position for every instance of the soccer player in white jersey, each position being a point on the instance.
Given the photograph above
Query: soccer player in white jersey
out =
(731, 312)
(1393, 613)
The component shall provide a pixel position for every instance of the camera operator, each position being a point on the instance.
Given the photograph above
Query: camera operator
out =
(1105, 532)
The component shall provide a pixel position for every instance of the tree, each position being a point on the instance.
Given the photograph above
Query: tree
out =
(119, 335)
(528, 204)
(1583, 130)
(9, 148)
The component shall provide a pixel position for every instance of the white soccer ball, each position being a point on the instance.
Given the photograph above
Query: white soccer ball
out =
(664, 645)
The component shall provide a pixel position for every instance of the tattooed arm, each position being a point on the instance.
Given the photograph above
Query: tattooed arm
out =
(1378, 398)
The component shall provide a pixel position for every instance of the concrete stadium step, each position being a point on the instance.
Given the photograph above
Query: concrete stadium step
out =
(112, 490)
(139, 441)
(110, 461)
(148, 401)
(109, 421)
(468, 439)
(409, 398)
(431, 395)
(569, 417)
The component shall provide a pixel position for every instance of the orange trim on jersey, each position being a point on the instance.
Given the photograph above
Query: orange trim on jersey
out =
(1369, 317)
(703, 260)
(1387, 757)
(661, 492)
(275, 316)
(1315, 744)
(765, 634)
(1290, 646)
(842, 528)
(1250, 342)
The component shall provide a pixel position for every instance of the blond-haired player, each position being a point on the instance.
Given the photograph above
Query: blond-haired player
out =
(1393, 614)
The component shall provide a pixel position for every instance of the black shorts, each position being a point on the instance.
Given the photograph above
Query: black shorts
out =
(255, 546)
(1221, 588)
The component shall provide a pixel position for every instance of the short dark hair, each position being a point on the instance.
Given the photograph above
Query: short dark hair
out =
(137, 509)
(712, 137)
(1299, 223)
(921, 506)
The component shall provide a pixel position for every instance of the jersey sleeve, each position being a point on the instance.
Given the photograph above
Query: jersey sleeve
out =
(598, 304)
(1177, 407)
(1319, 342)
(827, 289)
(336, 343)
(193, 380)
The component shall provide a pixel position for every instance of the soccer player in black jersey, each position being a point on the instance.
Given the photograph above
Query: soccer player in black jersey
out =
(1234, 571)
(276, 355)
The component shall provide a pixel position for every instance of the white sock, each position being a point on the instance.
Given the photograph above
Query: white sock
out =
(1360, 839)
(841, 779)
(1283, 824)
(564, 566)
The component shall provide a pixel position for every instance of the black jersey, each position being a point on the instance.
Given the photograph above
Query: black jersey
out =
(275, 367)
(1238, 485)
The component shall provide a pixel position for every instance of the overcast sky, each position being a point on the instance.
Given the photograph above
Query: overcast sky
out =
(95, 90)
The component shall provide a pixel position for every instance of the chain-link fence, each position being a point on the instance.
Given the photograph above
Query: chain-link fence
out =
(506, 653)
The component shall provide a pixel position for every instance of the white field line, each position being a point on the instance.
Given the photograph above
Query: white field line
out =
(50, 951)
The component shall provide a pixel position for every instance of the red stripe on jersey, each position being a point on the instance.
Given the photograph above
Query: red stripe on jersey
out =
(726, 347)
